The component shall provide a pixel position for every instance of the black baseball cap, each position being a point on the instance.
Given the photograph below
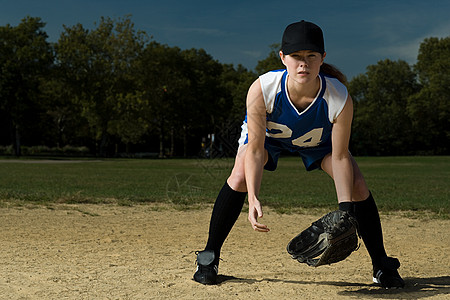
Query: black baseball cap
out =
(302, 35)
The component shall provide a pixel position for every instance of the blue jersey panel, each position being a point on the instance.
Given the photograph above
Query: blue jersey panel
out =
(307, 132)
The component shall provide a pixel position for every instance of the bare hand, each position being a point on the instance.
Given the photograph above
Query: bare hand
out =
(255, 212)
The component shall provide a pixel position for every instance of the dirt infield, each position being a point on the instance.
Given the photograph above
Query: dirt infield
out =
(147, 252)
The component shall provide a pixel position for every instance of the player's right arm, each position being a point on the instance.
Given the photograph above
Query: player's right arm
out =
(255, 152)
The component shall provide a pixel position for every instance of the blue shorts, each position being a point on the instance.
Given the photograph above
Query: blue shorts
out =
(312, 157)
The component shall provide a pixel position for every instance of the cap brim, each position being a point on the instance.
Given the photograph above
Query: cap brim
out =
(294, 48)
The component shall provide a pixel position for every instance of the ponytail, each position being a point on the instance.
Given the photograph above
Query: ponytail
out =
(331, 70)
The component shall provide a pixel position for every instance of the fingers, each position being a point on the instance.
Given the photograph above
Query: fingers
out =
(260, 227)
(255, 224)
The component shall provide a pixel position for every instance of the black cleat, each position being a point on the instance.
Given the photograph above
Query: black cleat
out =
(387, 276)
(207, 267)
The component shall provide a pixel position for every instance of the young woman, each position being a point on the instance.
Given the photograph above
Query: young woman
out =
(304, 109)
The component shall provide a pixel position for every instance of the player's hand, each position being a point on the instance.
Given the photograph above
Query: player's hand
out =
(255, 212)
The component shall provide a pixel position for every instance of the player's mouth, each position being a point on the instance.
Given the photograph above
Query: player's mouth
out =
(303, 73)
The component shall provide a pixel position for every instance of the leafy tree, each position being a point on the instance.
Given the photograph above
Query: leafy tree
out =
(97, 65)
(430, 108)
(206, 89)
(237, 81)
(130, 124)
(207, 95)
(271, 62)
(66, 124)
(25, 59)
(160, 77)
(184, 94)
(381, 124)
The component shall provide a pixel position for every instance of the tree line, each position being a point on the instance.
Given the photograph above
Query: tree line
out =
(114, 90)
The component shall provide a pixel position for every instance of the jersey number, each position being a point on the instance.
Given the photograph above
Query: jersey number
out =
(309, 139)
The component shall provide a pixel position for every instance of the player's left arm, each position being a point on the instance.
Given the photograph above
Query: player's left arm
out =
(340, 156)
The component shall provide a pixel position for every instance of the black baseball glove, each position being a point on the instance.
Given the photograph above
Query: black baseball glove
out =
(334, 236)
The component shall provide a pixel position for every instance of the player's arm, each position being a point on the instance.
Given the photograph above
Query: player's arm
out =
(254, 156)
(340, 156)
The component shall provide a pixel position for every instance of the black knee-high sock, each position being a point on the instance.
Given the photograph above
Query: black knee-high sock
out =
(226, 211)
(366, 213)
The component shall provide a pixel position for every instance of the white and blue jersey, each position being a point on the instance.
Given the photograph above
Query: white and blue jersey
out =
(307, 132)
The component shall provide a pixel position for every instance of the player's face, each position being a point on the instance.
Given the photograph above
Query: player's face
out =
(304, 65)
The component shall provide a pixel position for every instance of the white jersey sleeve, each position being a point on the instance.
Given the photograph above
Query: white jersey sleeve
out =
(271, 86)
(336, 96)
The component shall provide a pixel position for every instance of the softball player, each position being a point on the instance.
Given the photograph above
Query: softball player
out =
(304, 109)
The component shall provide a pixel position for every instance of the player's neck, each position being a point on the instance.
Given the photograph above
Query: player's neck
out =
(301, 92)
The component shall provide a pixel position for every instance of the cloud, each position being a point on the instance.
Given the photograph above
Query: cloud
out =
(408, 49)
(441, 31)
(252, 54)
(196, 31)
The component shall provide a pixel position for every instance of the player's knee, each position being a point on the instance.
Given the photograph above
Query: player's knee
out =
(237, 181)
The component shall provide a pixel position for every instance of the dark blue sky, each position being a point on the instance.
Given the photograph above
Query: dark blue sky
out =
(357, 33)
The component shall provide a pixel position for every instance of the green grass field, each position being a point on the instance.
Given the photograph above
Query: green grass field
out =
(398, 183)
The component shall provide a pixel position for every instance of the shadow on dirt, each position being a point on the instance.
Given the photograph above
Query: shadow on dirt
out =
(415, 288)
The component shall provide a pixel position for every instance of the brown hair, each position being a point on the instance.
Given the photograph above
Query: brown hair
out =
(333, 71)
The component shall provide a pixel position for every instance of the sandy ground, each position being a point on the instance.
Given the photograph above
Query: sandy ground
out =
(147, 252)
